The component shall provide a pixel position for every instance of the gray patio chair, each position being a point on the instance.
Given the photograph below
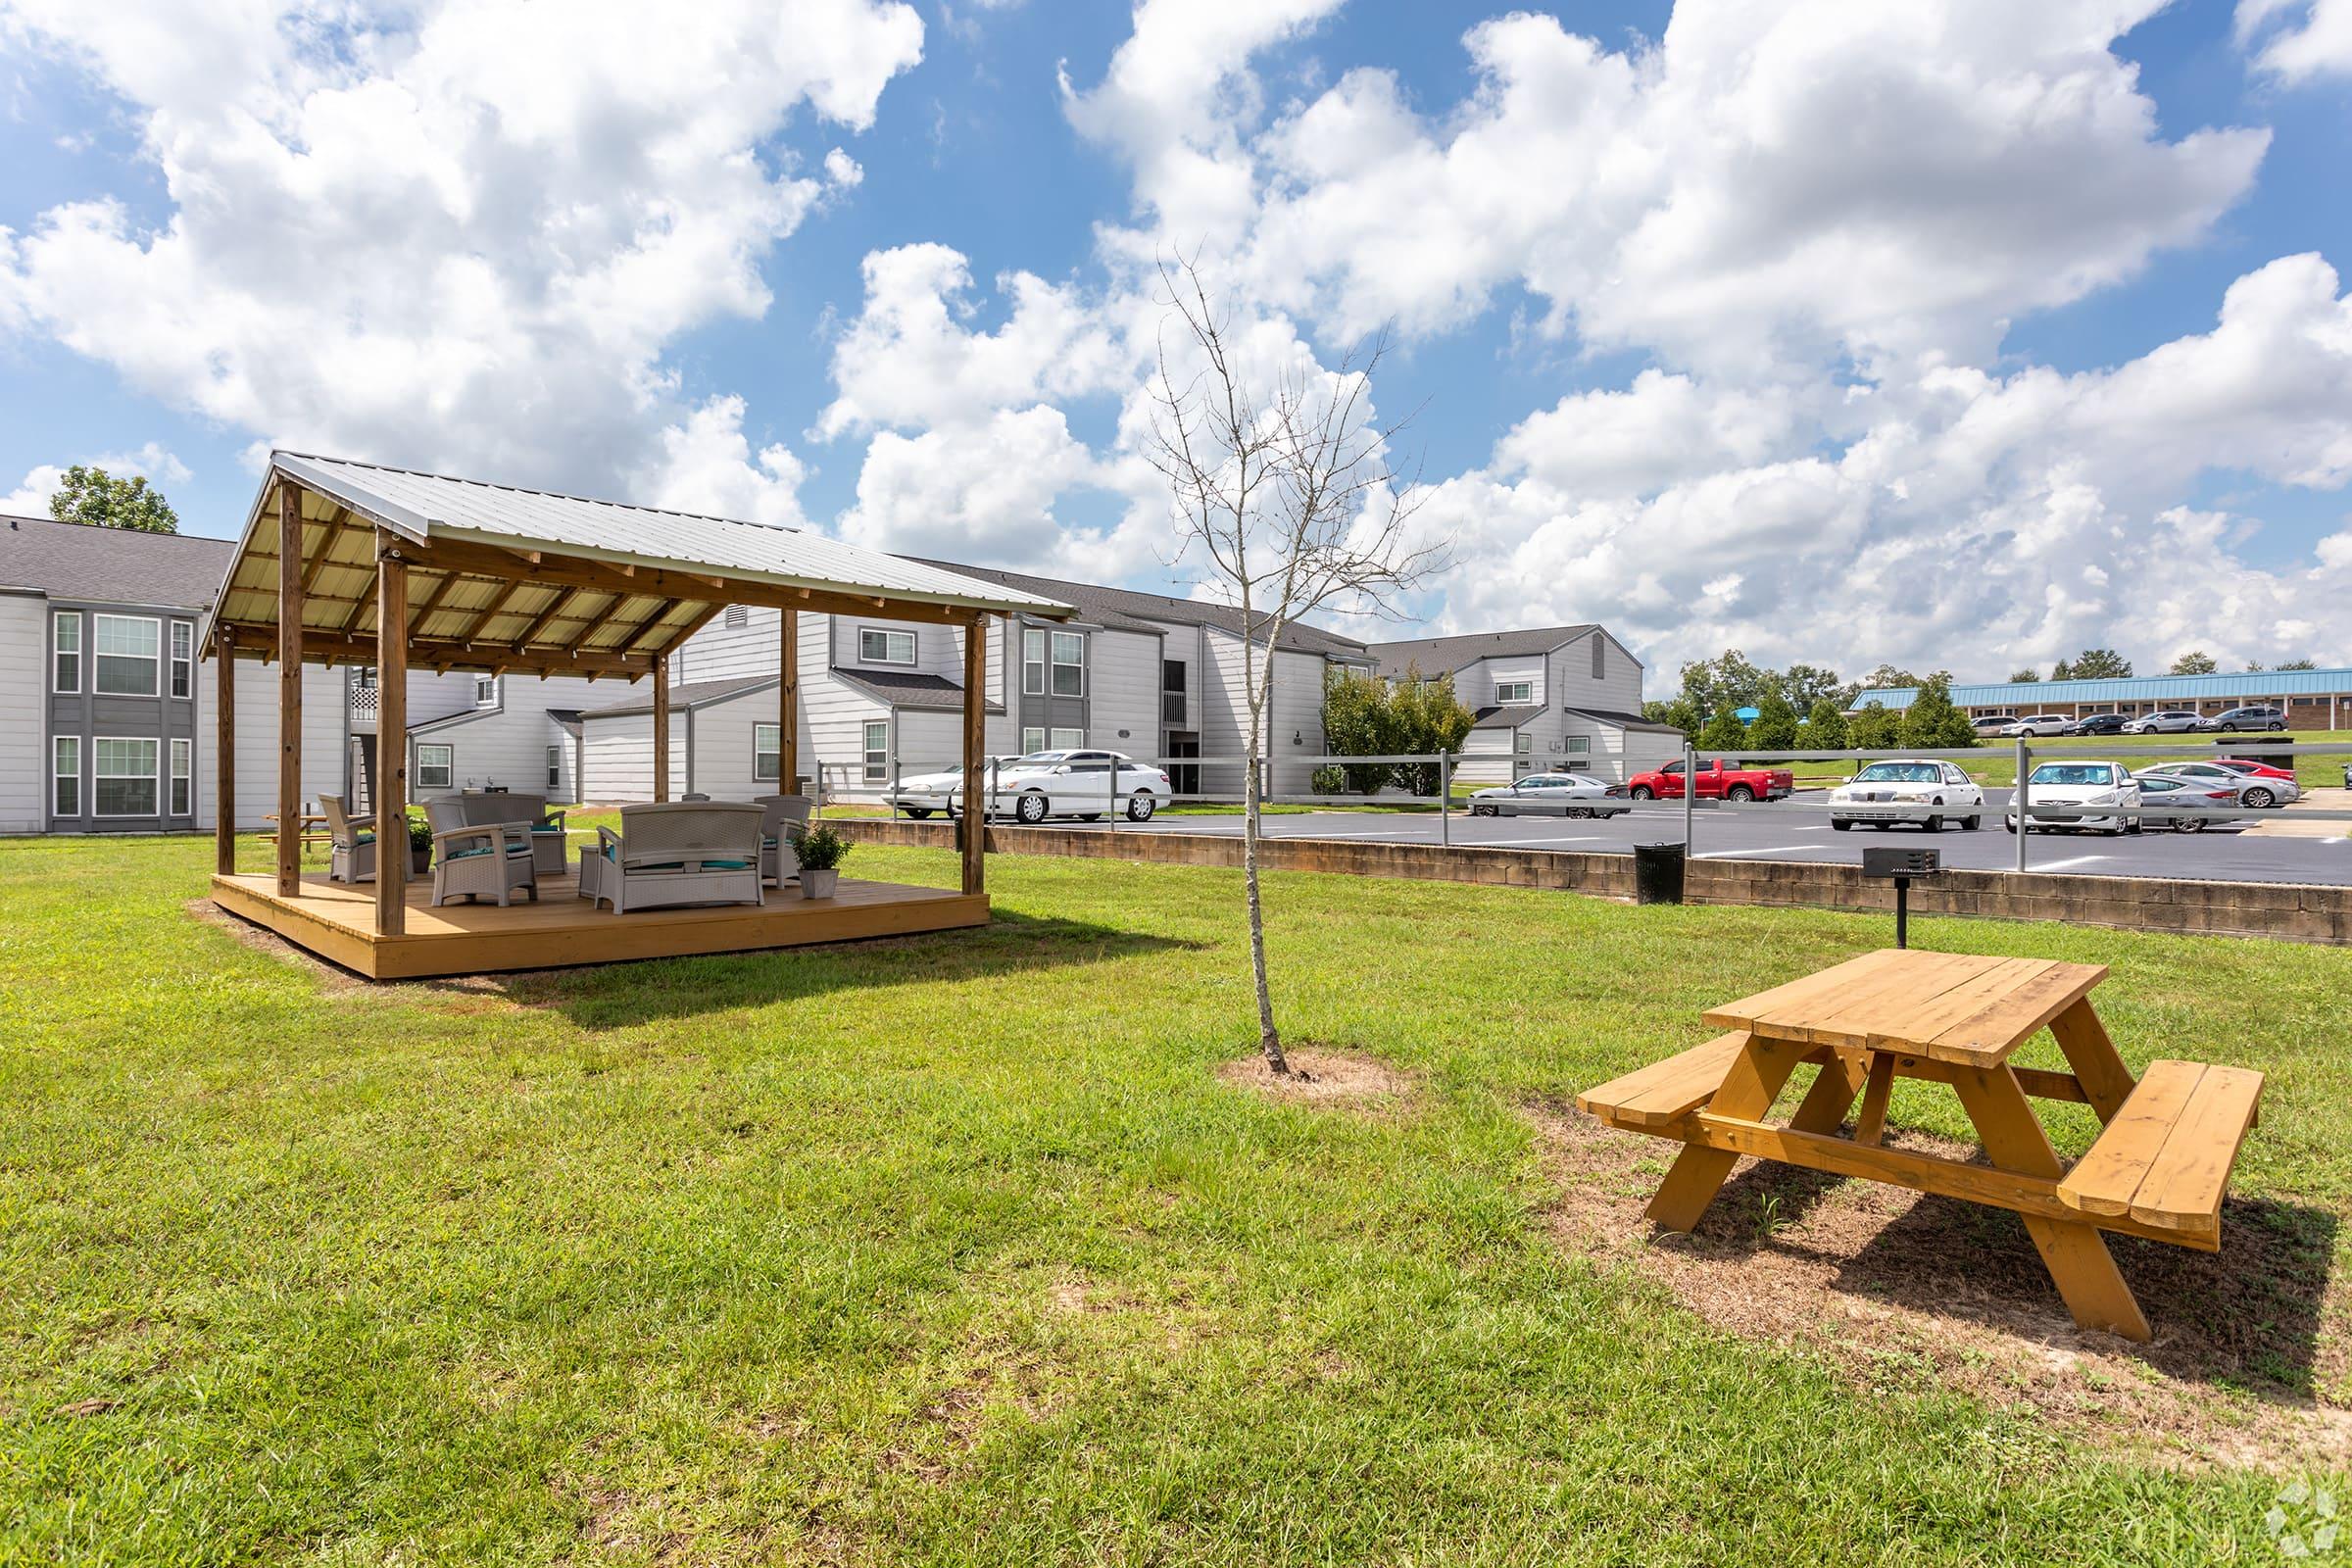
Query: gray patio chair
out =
(784, 819)
(470, 859)
(677, 852)
(352, 856)
(547, 837)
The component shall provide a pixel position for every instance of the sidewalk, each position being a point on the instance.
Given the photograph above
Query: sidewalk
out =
(2286, 824)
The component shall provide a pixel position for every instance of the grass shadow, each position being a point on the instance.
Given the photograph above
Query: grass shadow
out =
(615, 995)
(2248, 1317)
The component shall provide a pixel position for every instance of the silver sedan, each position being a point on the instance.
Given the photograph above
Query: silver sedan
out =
(2195, 796)
(1552, 795)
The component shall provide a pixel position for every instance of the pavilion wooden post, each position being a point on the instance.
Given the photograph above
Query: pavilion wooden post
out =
(788, 705)
(289, 688)
(224, 753)
(391, 738)
(975, 788)
(661, 726)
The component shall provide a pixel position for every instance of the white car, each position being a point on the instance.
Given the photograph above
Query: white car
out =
(2036, 725)
(1552, 795)
(1084, 784)
(943, 792)
(1920, 790)
(2078, 784)
(2172, 721)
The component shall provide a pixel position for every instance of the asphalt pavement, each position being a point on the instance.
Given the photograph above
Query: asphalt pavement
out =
(1799, 829)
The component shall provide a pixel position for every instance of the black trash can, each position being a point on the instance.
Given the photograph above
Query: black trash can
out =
(1657, 873)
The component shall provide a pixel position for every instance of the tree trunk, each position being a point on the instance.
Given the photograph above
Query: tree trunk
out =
(1269, 1040)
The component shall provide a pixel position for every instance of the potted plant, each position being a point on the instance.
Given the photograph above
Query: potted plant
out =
(420, 845)
(821, 850)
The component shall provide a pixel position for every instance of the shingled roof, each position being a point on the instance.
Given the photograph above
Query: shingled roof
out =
(1130, 609)
(1441, 656)
(111, 566)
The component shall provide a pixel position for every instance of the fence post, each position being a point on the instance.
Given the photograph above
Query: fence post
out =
(2017, 799)
(1113, 814)
(894, 782)
(1690, 794)
(1445, 798)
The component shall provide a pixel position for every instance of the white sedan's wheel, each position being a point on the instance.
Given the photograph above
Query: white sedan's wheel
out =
(1030, 809)
(1140, 806)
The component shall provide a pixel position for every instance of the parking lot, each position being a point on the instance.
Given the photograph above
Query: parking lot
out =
(1799, 829)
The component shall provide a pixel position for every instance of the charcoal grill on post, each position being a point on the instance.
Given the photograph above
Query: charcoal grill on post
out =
(1901, 864)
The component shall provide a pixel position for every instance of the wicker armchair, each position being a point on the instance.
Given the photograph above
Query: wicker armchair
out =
(678, 852)
(470, 859)
(484, 808)
(353, 858)
(784, 819)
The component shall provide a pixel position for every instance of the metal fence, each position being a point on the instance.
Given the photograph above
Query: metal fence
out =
(2136, 753)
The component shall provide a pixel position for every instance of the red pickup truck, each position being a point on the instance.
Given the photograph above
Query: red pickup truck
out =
(1715, 778)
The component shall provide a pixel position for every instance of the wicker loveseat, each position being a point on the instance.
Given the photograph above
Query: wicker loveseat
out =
(679, 851)
(488, 808)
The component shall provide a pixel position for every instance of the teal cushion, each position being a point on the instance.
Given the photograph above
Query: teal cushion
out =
(513, 850)
(726, 865)
(364, 838)
(546, 828)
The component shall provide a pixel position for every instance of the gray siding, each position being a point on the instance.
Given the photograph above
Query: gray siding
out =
(24, 714)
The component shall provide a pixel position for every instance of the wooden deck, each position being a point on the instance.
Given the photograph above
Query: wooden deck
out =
(337, 921)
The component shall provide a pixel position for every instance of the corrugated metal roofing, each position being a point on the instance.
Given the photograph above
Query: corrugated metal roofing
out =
(2254, 685)
(428, 506)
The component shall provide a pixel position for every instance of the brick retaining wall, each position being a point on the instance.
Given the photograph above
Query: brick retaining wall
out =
(2288, 911)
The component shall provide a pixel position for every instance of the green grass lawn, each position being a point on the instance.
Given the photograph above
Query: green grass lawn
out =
(956, 1249)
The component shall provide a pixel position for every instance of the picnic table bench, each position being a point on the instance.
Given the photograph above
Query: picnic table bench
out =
(2158, 1169)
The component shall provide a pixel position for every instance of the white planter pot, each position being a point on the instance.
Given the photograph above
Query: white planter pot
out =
(818, 884)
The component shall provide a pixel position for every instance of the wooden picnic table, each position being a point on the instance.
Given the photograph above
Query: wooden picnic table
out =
(2158, 1169)
(312, 825)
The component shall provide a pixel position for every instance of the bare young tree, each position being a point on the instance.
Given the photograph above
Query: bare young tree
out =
(1288, 504)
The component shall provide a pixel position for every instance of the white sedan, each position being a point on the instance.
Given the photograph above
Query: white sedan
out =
(1084, 784)
(2081, 785)
(1552, 794)
(1920, 790)
(923, 794)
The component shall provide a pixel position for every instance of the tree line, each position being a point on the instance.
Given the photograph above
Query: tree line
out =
(1806, 707)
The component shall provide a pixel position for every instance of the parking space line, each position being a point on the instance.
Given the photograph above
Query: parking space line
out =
(1776, 848)
(2060, 865)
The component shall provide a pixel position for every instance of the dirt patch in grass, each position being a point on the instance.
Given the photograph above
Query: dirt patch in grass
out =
(332, 978)
(1904, 1292)
(1323, 1076)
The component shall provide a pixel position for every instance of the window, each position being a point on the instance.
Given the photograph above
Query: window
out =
(1032, 740)
(1580, 746)
(1033, 666)
(128, 650)
(183, 777)
(1524, 743)
(767, 751)
(1063, 739)
(1514, 693)
(122, 776)
(1171, 691)
(183, 658)
(878, 647)
(64, 767)
(485, 691)
(555, 768)
(738, 616)
(433, 764)
(877, 751)
(364, 678)
(1601, 658)
(1069, 664)
(64, 641)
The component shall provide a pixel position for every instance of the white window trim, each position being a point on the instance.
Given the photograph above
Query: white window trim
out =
(449, 764)
(80, 650)
(554, 767)
(886, 634)
(875, 772)
(157, 776)
(181, 770)
(1064, 740)
(1055, 663)
(183, 665)
(777, 751)
(82, 797)
(1033, 637)
(155, 662)
(1033, 739)
(491, 681)
(1527, 688)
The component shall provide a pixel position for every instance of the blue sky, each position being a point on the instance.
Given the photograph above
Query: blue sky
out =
(1705, 443)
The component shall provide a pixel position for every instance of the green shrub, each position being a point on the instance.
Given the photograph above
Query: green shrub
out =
(822, 850)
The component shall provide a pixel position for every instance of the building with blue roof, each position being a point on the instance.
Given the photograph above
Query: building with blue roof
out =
(2313, 698)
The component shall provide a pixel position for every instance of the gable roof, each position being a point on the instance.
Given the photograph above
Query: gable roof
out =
(111, 566)
(685, 695)
(1443, 656)
(1510, 717)
(1620, 719)
(1131, 610)
(907, 688)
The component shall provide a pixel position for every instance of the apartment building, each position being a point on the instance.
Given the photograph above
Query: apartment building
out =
(1547, 698)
